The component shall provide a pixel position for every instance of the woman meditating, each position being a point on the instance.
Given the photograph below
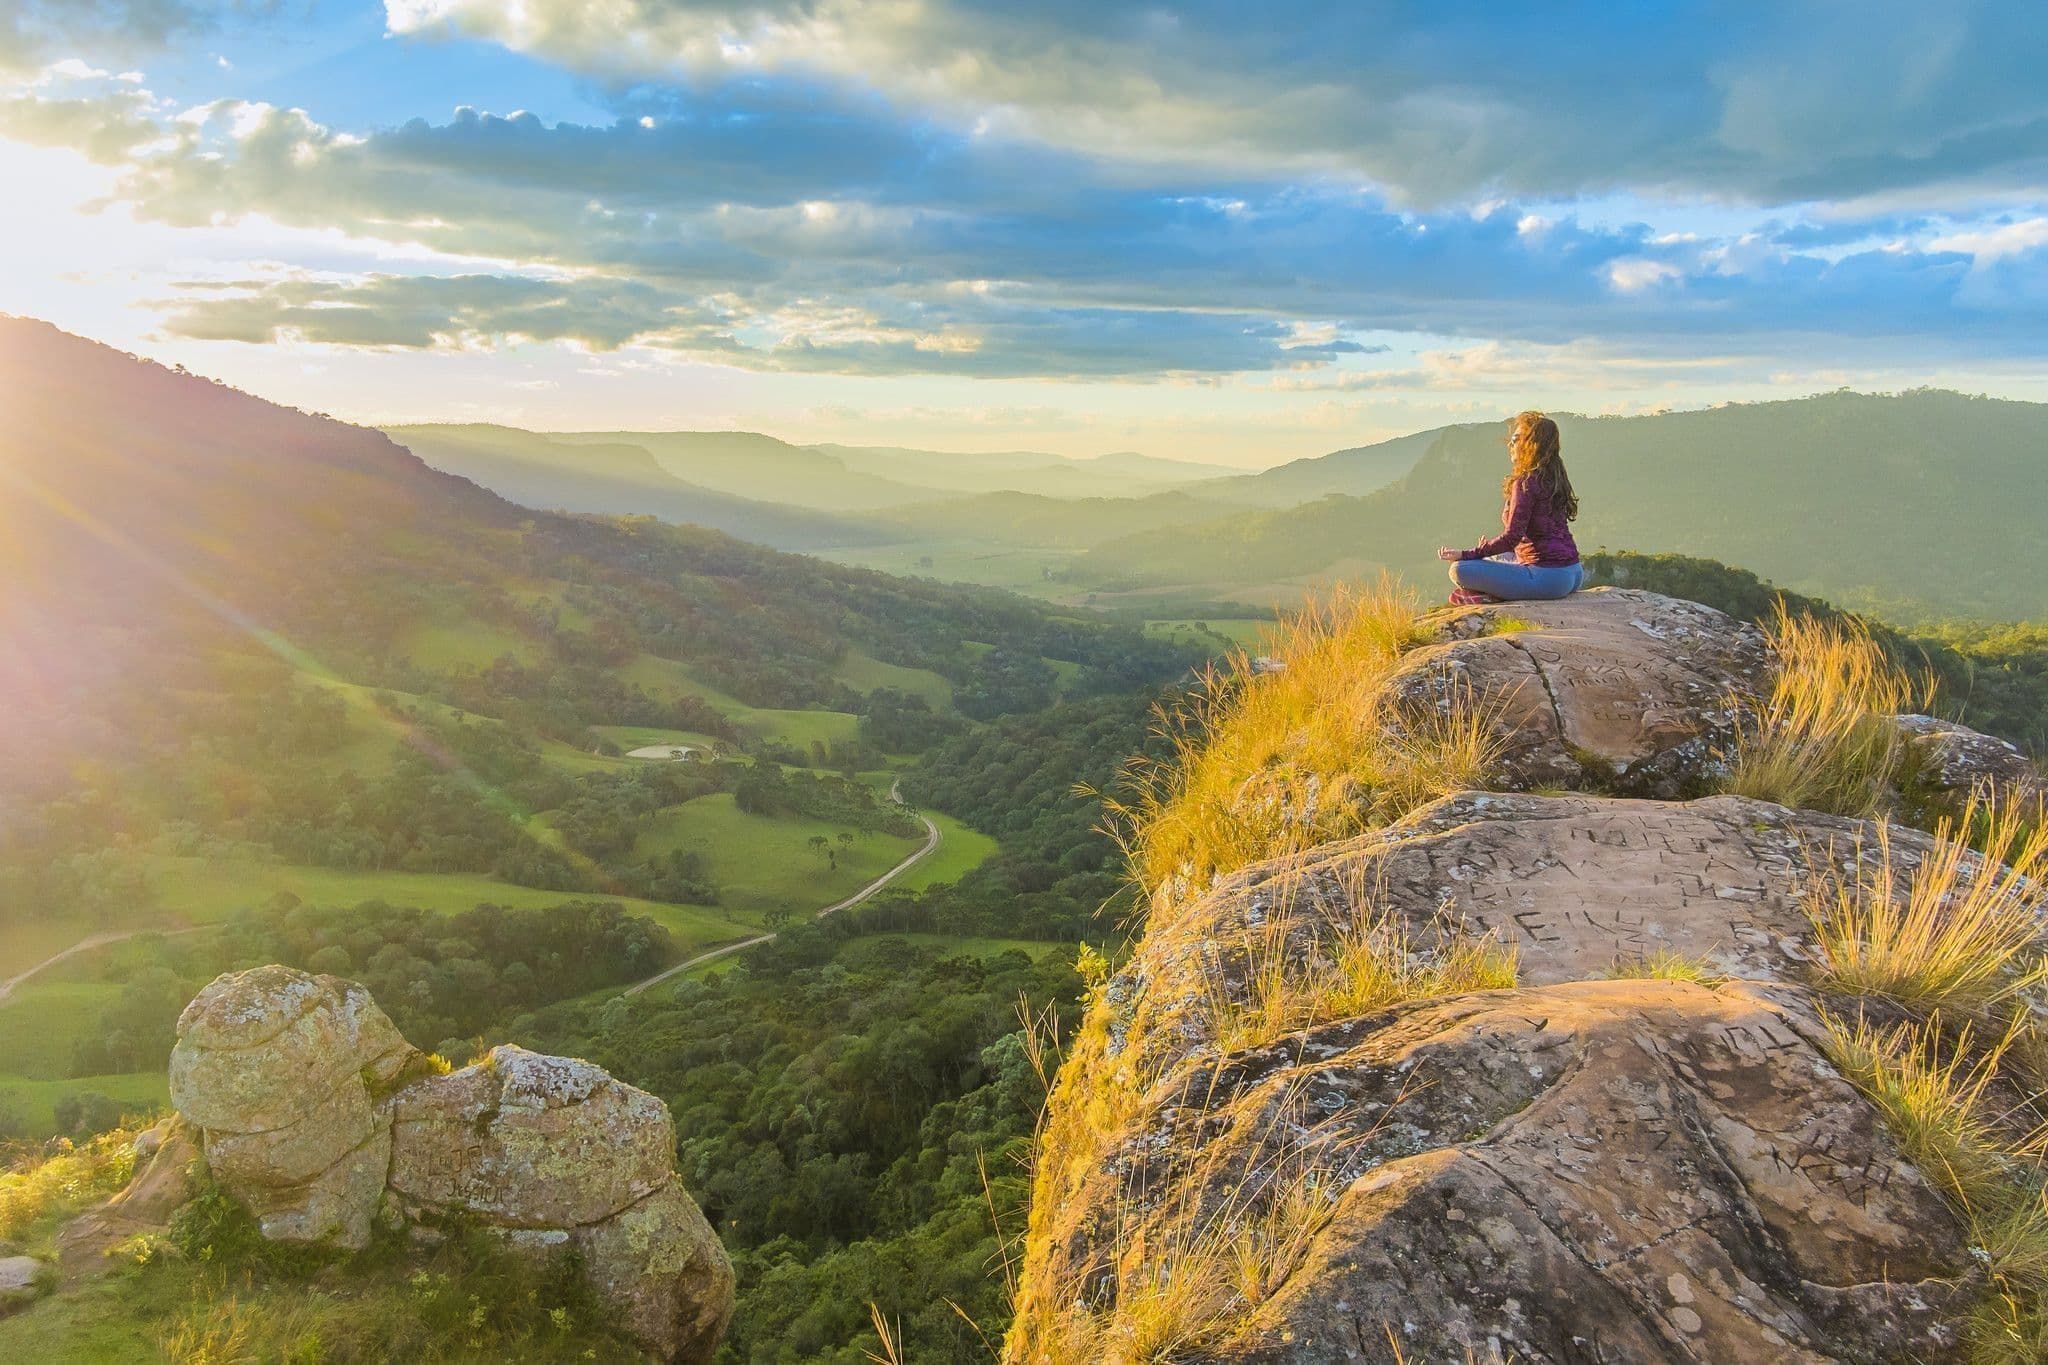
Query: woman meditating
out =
(1534, 557)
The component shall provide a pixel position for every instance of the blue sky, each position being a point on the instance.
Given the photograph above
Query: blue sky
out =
(1213, 230)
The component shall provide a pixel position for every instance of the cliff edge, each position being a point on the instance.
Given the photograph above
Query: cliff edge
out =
(1560, 1070)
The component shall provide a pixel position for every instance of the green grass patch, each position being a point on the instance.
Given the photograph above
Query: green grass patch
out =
(202, 891)
(960, 849)
(762, 862)
(45, 1019)
(666, 677)
(448, 646)
(33, 1102)
(865, 673)
(1220, 634)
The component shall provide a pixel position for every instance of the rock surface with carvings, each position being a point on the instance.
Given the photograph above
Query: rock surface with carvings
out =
(316, 1114)
(1615, 689)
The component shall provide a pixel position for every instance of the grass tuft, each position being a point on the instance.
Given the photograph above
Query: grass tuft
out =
(1958, 931)
(1667, 965)
(1267, 764)
(1366, 963)
(1824, 739)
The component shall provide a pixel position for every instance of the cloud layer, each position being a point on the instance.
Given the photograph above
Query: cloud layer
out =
(1069, 190)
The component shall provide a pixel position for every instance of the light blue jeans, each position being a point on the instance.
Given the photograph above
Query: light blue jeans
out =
(1502, 577)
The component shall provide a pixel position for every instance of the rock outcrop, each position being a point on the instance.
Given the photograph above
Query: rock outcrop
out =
(318, 1116)
(276, 1068)
(1950, 761)
(1599, 1164)
(1614, 689)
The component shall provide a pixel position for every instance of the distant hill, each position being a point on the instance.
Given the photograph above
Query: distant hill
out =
(538, 471)
(179, 550)
(1355, 472)
(1121, 475)
(1031, 519)
(1923, 503)
(750, 465)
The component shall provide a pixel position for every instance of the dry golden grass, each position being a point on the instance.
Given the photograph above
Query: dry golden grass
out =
(1824, 739)
(1666, 965)
(1958, 931)
(1264, 765)
(1942, 1098)
(1358, 965)
(1204, 1269)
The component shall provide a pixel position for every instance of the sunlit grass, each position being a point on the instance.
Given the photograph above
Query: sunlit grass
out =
(1959, 930)
(44, 1182)
(1264, 764)
(1367, 962)
(1824, 739)
(1939, 1095)
(1666, 965)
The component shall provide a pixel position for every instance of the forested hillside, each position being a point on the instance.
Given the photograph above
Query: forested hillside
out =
(1887, 502)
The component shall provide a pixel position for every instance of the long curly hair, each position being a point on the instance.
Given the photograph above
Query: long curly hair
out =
(1534, 447)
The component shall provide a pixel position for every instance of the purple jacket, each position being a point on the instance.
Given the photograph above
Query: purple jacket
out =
(1532, 527)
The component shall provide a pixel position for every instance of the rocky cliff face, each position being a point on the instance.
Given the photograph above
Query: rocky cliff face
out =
(318, 1116)
(1580, 1168)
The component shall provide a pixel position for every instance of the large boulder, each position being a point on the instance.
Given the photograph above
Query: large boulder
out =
(317, 1115)
(1614, 689)
(522, 1140)
(280, 1070)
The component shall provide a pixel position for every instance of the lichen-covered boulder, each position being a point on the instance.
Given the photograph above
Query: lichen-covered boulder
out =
(278, 1068)
(300, 1087)
(660, 1264)
(1947, 762)
(529, 1141)
(1611, 689)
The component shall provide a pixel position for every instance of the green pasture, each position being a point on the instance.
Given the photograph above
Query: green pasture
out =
(762, 862)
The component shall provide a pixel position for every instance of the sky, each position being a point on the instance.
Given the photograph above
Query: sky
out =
(1211, 230)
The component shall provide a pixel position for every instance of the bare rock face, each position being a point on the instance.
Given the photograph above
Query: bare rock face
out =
(276, 1067)
(297, 1083)
(1949, 761)
(1611, 689)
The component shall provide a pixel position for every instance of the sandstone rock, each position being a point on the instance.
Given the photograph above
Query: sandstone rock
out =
(662, 1265)
(287, 1074)
(255, 1047)
(1949, 761)
(1576, 1169)
(1613, 689)
(525, 1140)
(160, 1186)
(1577, 884)
(277, 1067)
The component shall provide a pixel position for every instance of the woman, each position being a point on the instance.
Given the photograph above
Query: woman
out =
(1535, 526)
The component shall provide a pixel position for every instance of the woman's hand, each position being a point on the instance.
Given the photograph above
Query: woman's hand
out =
(1446, 552)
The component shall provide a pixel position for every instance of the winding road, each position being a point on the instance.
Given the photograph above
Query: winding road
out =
(95, 941)
(931, 842)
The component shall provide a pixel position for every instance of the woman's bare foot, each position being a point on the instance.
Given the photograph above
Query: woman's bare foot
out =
(1465, 597)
